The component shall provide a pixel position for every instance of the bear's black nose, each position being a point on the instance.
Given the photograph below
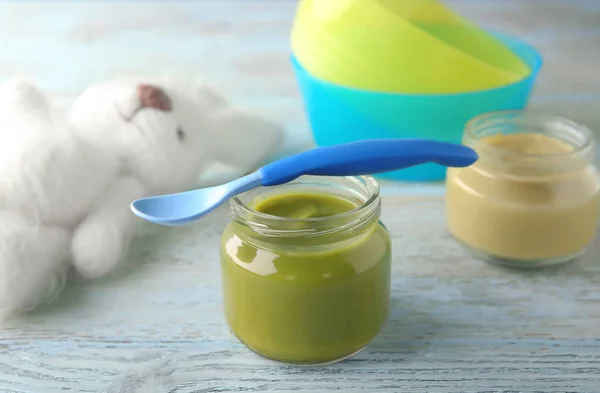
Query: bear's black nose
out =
(154, 97)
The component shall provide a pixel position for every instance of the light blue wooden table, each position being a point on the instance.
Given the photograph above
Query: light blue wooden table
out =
(156, 326)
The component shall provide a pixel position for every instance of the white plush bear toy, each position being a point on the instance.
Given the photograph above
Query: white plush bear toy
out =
(66, 181)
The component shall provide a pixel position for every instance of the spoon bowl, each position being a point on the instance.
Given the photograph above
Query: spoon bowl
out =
(189, 206)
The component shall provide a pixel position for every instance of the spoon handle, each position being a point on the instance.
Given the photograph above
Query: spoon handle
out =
(365, 158)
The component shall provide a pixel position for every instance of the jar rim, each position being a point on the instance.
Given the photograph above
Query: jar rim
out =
(349, 219)
(586, 145)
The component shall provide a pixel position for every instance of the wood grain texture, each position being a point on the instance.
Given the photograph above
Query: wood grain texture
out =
(457, 325)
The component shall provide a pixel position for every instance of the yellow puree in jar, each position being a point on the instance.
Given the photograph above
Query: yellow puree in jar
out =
(517, 215)
(300, 303)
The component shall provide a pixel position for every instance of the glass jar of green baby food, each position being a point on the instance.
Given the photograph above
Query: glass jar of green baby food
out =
(306, 269)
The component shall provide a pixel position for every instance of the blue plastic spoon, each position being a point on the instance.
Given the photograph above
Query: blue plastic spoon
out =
(351, 159)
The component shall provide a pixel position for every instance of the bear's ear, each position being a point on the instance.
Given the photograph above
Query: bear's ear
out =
(19, 96)
(154, 97)
(23, 93)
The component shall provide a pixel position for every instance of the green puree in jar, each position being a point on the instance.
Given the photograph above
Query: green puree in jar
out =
(306, 299)
(304, 206)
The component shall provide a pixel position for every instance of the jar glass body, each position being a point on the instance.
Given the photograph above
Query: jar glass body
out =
(525, 209)
(313, 295)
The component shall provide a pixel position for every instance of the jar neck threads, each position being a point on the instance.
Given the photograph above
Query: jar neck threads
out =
(361, 191)
(562, 145)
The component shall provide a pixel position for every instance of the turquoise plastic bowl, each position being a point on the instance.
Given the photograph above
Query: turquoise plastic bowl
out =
(339, 114)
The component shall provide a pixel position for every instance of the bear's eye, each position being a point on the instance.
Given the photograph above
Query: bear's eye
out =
(180, 134)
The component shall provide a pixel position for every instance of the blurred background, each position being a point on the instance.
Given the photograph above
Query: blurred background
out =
(242, 47)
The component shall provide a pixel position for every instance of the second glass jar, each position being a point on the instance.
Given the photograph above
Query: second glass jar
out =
(533, 197)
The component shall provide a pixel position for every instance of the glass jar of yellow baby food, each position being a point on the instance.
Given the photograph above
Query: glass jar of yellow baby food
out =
(532, 199)
(306, 269)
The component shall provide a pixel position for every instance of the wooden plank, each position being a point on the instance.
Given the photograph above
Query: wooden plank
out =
(456, 324)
